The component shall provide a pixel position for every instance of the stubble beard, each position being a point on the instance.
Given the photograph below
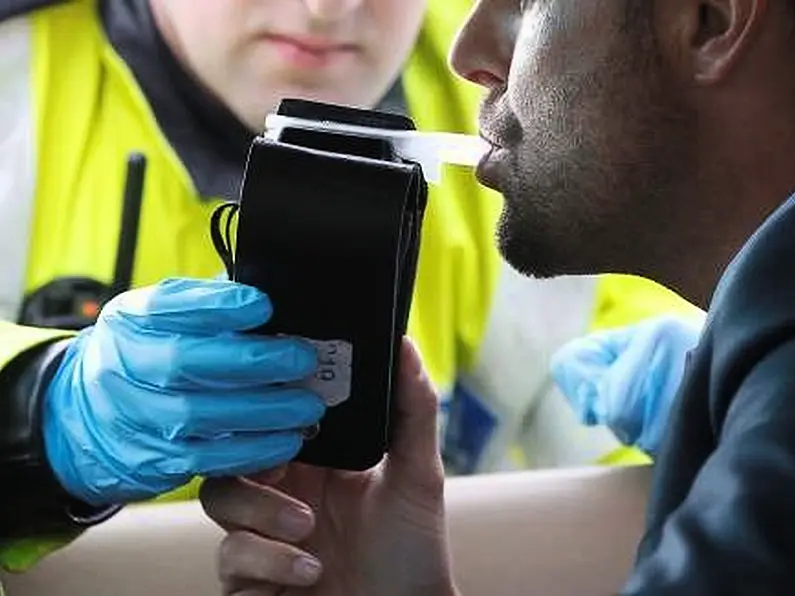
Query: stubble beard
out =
(591, 189)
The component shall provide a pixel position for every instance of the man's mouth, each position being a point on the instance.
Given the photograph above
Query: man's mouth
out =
(487, 169)
(490, 139)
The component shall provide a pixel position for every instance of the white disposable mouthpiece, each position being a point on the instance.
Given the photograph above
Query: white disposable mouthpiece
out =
(429, 149)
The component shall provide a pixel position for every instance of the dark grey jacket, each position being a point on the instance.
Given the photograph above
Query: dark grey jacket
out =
(722, 513)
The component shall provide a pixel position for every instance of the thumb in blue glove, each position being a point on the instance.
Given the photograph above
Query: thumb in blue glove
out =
(627, 378)
(165, 387)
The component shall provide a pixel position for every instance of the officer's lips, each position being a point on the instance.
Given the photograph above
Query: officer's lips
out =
(310, 52)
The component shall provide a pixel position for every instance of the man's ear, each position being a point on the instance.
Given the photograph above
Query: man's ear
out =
(709, 37)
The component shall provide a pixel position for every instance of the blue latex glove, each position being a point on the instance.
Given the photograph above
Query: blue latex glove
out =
(627, 378)
(164, 388)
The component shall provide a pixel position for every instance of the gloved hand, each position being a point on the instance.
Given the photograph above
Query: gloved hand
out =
(627, 378)
(164, 388)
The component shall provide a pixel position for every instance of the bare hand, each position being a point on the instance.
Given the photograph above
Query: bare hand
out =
(313, 531)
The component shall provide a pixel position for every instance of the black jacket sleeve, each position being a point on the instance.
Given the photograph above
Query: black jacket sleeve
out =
(32, 502)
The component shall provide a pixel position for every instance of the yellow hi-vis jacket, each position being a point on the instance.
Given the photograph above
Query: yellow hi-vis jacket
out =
(71, 111)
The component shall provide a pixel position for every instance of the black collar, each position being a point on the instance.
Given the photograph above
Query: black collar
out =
(209, 139)
(211, 142)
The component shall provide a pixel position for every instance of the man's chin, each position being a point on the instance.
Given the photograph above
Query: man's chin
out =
(517, 258)
(527, 252)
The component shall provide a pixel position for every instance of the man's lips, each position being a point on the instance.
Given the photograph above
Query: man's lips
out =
(486, 170)
(491, 138)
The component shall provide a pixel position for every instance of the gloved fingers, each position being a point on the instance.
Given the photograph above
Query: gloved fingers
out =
(600, 348)
(601, 376)
(234, 455)
(221, 363)
(138, 466)
(661, 386)
(682, 332)
(244, 361)
(578, 369)
(645, 379)
(624, 401)
(252, 564)
(191, 307)
(236, 504)
(214, 415)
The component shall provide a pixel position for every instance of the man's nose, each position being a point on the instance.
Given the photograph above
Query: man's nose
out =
(330, 10)
(482, 51)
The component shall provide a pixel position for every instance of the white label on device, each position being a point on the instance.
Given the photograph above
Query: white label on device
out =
(332, 380)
